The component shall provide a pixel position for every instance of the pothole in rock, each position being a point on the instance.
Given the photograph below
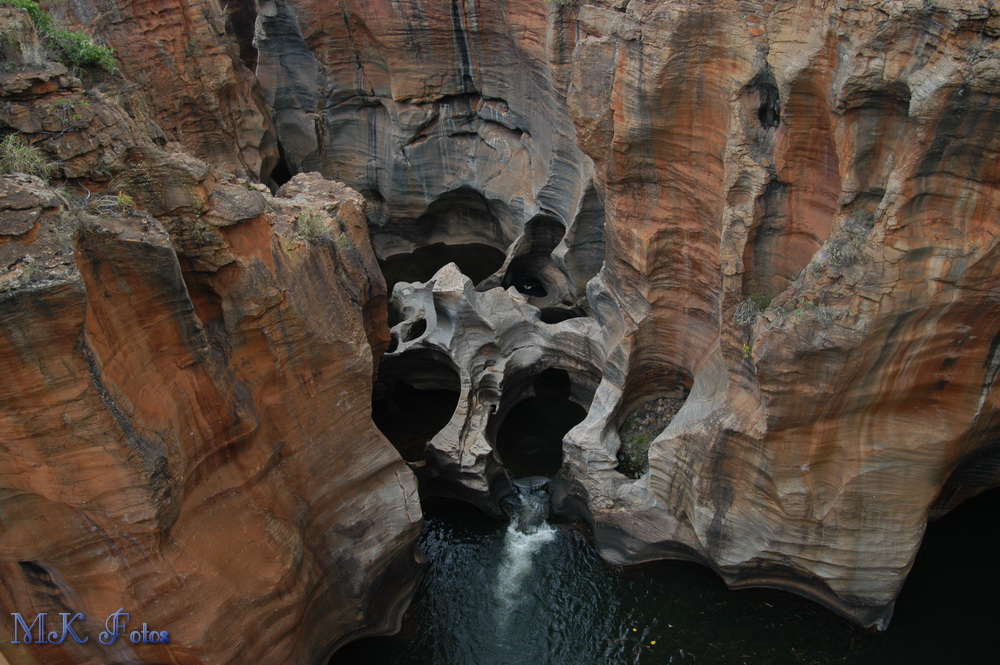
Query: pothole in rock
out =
(641, 426)
(476, 261)
(552, 315)
(413, 398)
(532, 272)
(529, 439)
(530, 286)
(413, 330)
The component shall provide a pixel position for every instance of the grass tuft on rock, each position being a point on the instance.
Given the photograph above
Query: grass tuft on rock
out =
(312, 225)
(19, 156)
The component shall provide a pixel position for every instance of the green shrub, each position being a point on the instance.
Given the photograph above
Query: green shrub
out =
(79, 51)
(761, 301)
(19, 156)
(633, 457)
(124, 201)
(747, 311)
(75, 49)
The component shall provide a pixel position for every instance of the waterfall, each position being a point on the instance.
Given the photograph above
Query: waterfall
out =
(527, 533)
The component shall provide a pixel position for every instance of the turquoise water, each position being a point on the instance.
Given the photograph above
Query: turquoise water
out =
(536, 593)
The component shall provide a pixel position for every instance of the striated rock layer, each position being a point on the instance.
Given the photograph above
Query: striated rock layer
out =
(185, 410)
(830, 165)
(786, 211)
(837, 158)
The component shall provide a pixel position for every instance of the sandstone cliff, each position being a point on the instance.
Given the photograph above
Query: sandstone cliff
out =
(831, 165)
(784, 211)
(185, 411)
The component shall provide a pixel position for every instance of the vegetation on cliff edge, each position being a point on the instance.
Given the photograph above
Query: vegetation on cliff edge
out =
(74, 49)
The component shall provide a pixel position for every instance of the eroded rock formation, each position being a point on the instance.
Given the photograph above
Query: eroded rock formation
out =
(185, 411)
(805, 159)
(785, 211)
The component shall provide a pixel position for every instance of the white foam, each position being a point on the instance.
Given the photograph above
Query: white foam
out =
(527, 533)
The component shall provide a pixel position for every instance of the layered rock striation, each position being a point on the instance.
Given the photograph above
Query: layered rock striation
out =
(830, 165)
(185, 423)
(782, 213)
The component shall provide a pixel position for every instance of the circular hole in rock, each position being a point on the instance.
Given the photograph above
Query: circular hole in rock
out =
(643, 424)
(530, 286)
(529, 440)
(415, 330)
(524, 275)
(559, 314)
(414, 396)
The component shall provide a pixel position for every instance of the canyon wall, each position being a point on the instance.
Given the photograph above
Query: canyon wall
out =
(834, 165)
(783, 212)
(185, 410)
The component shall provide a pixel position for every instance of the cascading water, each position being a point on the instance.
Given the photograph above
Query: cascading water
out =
(528, 532)
(531, 593)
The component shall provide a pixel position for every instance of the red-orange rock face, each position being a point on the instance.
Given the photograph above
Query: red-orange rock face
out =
(192, 65)
(832, 162)
(185, 412)
(822, 159)
(788, 209)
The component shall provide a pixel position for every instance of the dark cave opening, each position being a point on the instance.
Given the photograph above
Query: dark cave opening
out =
(476, 261)
(241, 18)
(527, 272)
(645, 412)
(413, 398)
(529, 438)
(459, 227)
(281, 173)
(529, 285)
(553, 315)
(415, 330)
(769, 100)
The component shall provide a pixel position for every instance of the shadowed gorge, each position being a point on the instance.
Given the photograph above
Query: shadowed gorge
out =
(579, 610)
(716, 281)
(458, 227)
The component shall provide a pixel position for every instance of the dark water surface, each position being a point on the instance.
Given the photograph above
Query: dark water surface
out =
(540, 595)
